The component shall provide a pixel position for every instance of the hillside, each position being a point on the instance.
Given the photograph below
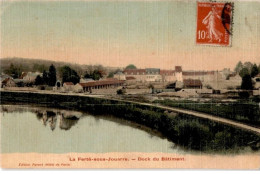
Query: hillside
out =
(39, 65)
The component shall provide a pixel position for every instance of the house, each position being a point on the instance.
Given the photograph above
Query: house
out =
(78, 88)
(8, 83)
(192, 83)
(120, 76)
(68, 86)
(30, 76)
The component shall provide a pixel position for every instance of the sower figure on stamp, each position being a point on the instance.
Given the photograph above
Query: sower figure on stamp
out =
(210, 21)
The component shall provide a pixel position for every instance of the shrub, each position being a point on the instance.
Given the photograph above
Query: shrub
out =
(244, 94)
(121, 91)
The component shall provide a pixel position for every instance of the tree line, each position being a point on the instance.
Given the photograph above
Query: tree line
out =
(247, 71)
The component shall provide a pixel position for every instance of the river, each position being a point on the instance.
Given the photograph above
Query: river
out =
(47, 130)
(29, 128)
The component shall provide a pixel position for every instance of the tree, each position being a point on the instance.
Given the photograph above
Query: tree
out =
(130, 66)
(69, 75)
(45, 78)
(38, 80)
(52, 76)
(95, 75)
(248, 65)
(238, 67)
(243, 72)
(14, 71)
(111, 75)
(246, 82)
(254, 71)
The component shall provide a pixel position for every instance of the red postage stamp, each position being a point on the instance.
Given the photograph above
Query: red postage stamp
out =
(214, 22)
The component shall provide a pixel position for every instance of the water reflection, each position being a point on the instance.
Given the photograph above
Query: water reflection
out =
(66, 119)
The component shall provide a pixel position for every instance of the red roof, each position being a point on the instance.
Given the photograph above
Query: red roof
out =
(198, 73)
(178, 68)
(110, 79)
(192, 83)
(167, 72)
(134, 71)
(5, 80)
(68, 83)
(102, 82)
(130, 78)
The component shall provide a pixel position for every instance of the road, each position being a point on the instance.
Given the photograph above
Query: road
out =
(203, 115)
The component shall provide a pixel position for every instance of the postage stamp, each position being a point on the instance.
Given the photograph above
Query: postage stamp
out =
(214, 22)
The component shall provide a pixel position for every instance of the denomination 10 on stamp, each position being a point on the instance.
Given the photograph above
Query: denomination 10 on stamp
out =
(214, 22)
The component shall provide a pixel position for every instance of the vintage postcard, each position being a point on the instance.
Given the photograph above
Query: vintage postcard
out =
(170, 84)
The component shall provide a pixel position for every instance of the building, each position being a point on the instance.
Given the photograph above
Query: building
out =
(130, 80)
(8, 83)
(168, 75)
(120, 76)
(30, 76)
(192, 83)
(85, 80)
(138, 74)
(101, 84)
(68, 86)
(153, 75)
(178, 73)
(199, 75)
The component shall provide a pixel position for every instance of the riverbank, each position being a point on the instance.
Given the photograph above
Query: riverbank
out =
(183, 129)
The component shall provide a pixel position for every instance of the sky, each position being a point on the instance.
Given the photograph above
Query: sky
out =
(159, 34)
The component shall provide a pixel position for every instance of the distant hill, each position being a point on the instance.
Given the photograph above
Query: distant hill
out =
(39, 65)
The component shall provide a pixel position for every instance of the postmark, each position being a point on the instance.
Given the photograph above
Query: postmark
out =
(214, 23)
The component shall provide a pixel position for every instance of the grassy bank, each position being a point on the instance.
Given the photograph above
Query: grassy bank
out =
(186, 131)
(242, 111)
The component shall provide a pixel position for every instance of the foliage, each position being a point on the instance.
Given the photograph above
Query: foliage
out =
(14, 70)
(121, 91)
(246, 82)
(38, 80)
(150, 86)
(111, 75)
(254, 71)
(243, 72)
(95, 74)
(130, 66)
(45, 77)
(248, 65)
(243, 111)
(69, 75)
(238, 67)
(52, 76)
(208, 86)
